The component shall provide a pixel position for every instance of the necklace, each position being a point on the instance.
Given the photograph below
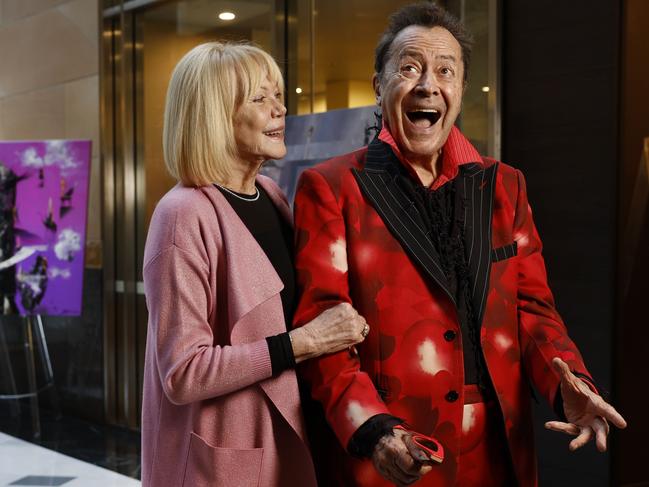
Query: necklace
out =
(253, 197)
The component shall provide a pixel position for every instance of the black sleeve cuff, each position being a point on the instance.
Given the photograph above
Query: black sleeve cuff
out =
(281, 353)
(364, 440)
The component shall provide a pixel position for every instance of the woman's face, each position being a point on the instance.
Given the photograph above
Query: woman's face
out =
(259, 125)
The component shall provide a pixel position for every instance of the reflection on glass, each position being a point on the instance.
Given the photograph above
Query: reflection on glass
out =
(165, 33)
(331, 47)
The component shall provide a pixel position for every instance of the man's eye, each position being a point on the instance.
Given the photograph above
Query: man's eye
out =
(409, 68)
(446, 71)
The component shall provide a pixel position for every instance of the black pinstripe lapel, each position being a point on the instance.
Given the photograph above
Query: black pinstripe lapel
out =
(476, 186)
(377, 181)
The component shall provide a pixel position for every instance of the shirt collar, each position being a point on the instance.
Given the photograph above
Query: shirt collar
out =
(456, 151)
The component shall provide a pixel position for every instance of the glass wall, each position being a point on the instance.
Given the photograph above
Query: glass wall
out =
(326, 51)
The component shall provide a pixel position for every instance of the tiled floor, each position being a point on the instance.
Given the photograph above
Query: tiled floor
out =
(23, 463)
(99, 455)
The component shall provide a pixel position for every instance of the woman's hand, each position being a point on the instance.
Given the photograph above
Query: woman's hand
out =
(335, 329)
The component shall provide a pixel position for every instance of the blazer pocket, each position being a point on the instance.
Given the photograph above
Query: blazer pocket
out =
(210, 466)
(504, 252)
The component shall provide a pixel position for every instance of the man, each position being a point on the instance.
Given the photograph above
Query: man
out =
(436, 247)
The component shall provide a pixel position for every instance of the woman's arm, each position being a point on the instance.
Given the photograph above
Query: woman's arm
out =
(191, 368)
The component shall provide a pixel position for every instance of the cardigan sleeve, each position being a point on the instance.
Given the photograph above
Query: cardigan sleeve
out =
(542, 332)
(191, 367)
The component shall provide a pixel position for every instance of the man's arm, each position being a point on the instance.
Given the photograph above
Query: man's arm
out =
(550, 357)
(347, 394)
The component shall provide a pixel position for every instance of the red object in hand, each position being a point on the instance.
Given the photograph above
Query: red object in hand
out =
(432, 448)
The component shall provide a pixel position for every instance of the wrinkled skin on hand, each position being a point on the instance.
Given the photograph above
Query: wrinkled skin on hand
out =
(398, 459)
(587, 413)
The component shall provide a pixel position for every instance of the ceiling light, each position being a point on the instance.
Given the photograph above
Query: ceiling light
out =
(298, 90)
(226, 16)
(485, 89)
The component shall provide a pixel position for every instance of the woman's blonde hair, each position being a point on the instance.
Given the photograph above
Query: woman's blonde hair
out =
(207, 87)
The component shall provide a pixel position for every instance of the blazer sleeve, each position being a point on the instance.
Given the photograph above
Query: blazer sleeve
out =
(191, 367)
(347, 394)
(542, 332)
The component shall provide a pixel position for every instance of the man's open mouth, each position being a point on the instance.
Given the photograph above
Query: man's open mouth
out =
(424, 117)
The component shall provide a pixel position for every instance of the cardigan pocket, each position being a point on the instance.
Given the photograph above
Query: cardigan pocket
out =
(210, 466)
(504, 252)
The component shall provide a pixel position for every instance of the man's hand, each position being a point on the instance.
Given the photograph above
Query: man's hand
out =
(398, 459)
(587, 413)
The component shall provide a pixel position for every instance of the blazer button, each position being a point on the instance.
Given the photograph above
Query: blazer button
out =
(452, 396)
(449, 335)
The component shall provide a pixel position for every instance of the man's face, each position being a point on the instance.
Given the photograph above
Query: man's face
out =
(421, 89)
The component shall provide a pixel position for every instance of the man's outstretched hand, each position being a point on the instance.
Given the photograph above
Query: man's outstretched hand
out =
(587, 413)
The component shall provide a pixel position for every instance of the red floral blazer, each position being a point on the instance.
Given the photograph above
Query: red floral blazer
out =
(360, 241)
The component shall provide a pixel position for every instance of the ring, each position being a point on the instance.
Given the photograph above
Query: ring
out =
(366, 330)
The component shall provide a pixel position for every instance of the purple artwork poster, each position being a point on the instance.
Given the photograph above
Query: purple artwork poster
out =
(43, 210)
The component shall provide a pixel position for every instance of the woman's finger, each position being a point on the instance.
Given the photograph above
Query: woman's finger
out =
(583, 438)
(560, 426)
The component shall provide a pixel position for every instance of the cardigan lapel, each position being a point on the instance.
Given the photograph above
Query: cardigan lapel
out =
(250, 276)
(476, 187)
(252, 280)
(377, 181)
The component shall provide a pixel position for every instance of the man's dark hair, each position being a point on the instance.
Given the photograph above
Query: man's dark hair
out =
(425, 14)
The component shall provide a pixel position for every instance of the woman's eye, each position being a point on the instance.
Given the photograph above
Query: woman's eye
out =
(259, 99)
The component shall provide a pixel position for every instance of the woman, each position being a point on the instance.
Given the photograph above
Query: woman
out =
(221, 404)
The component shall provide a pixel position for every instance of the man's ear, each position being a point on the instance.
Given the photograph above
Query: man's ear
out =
(376, 84)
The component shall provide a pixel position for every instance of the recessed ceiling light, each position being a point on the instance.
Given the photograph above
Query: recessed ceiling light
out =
(227, 16)
(485, 89)
(298, 90)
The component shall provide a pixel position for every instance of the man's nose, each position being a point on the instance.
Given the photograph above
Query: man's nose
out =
(427, 85)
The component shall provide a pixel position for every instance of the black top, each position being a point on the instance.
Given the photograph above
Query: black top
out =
(275, 237)
(443, 213)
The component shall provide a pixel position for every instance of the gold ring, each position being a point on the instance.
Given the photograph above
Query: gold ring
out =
(366, 330)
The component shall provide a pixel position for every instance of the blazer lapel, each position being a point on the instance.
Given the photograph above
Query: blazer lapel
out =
(377, 181)
(476, 186)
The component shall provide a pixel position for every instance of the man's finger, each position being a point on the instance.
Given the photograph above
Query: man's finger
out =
(583, 438)
(560, 426)
(605, 410)
(406, 464)
(601, 431)
(561, 367)
(397, 473)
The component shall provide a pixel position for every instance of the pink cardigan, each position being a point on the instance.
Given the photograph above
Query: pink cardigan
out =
(212, 415)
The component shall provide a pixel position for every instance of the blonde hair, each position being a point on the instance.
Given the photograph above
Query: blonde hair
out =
(207, 87)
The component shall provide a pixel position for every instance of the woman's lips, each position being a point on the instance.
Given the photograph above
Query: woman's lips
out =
(275, 134)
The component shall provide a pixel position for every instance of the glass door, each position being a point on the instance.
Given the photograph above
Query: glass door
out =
(143, 41)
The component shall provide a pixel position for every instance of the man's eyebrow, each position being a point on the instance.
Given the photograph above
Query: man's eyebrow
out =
(448, 57)
(410, 52)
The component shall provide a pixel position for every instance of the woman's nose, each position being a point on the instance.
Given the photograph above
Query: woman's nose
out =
(279, 110)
